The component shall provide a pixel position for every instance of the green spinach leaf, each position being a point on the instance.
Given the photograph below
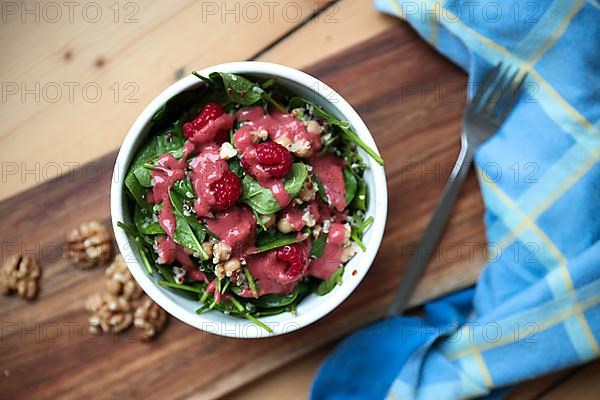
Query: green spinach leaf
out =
(362, 225)
(361, 199)
(328, 285)
(261, 199)
(236, 167)
(315, 110)
(143, 175)
(166, 273)
(267, 312)
(320, 189)
(258, 198)
(294, 180)
(171, 140)
(167, 142)
(318, 246)
(143, 248)
(275, 300)
(198, 230)
(189, 291)
(184, 236)
(136, 190)
(144, 222)
(184, 189)
(275, 239)
(237, 88)
(344, 127)
(351, 184)
(176, 105)
(147, 153)
(181, 286)
(350, 135)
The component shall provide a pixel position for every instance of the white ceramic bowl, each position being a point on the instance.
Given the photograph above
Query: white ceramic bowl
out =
(313, 307)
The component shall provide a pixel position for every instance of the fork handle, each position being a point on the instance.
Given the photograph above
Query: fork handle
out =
(426, 245)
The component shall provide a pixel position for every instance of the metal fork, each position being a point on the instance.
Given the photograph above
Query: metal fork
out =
(484, 115)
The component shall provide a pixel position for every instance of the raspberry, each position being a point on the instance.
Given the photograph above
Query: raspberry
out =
(267, 158)
(295, 256)
(209, 112)
(226, 190)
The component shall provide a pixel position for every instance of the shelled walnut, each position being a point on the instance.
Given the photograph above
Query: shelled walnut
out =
(308, 191)
(20, 273)
(221, 252)
(123, 305)
(227, 268)
(89, 245)
(149, 319)
(120, 282)
(109, 313)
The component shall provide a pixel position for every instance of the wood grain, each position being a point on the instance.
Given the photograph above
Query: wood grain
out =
(582, 385)
(414, 132)
(291, 381)
(337, 28)
(536, 388)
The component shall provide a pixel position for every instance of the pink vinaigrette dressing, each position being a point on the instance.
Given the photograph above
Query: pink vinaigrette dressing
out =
(169, 252)
(295, 216)
(275, 125)
(236, 227)
(267, 269)
(272, 274)
(329, 170)
(207, 168)
(327, 264)
(275, 270)
(167, 171)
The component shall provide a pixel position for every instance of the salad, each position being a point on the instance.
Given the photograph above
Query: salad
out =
(247, 198)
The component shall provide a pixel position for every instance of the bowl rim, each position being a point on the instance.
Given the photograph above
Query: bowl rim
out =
(204, 322)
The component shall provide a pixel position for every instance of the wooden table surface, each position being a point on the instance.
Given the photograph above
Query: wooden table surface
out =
(74, 82)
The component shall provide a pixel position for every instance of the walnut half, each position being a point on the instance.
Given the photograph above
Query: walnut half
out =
(89, 245)
(20, 273)
(109, 313)
(120, 282)
(149, 319)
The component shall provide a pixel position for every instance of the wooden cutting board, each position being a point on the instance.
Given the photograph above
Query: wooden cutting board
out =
(412, 100)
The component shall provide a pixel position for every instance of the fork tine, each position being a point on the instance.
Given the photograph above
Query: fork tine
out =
(512, 97)
(490, 77)
(496, 93)
(507, 92)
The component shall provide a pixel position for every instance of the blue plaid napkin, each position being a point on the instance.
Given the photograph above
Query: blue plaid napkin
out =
(536, 305)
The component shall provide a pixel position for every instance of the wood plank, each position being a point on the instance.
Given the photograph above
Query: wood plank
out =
(338, 28)
(292, 381)
(46, 132)
(414, 133)
(535, 388)
(583, 385)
